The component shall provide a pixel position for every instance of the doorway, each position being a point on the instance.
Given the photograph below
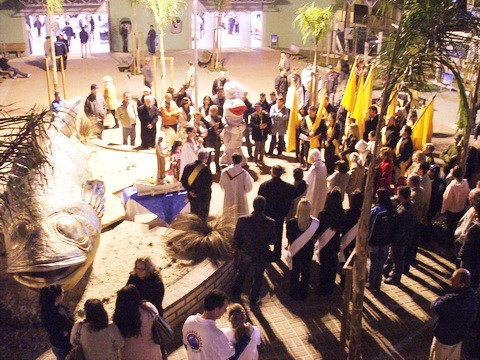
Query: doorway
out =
(97, 27)
(238, 29)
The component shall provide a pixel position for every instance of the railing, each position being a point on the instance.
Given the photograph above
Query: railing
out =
(347, 271)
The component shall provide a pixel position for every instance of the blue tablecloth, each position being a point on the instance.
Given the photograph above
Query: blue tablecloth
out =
(165, 206)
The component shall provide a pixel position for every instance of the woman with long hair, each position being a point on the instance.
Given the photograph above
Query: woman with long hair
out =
(100, 339)
(56, 319)
(205, 107)
(240, 329)
(148, 281)
(134, 318)
(301, 235)
(382, 226)
(331, 224)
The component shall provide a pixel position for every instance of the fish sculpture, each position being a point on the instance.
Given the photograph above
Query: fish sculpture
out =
(51, 210)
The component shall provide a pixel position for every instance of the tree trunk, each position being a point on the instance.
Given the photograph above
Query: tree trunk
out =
(54, 60)
(314, 82)
(162, 61)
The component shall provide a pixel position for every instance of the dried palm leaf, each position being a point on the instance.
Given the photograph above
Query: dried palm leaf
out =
(191, 238)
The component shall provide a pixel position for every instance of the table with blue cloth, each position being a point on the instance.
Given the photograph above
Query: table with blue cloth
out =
(158, 209)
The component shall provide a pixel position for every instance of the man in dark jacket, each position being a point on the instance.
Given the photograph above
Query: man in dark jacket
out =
(197, 180)
(253, 235)
(13, 71)
(279, 195)
(148, 115)
(455, 314)
(403, 152)
(403, 235)
(281, 84)
(371, 121)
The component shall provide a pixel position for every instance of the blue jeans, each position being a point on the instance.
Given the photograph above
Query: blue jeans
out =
(378, 256)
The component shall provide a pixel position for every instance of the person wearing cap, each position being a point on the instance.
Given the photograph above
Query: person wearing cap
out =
(110, 96)
(127, 113)
(96, 109)
(260, 123)
(452, 154)
(331, 83)
(219, 82)
(197, 180)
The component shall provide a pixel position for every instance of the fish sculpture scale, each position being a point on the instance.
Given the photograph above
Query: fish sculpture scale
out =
(51, 211)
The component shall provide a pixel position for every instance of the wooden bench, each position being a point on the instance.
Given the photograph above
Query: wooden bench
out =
(16, 48)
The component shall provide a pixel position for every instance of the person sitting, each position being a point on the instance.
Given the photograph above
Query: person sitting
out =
(58, 103)
(12, 71)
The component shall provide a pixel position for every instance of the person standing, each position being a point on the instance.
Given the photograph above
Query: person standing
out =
(454, 314)
(219, 82)
(38, 25)
(470, 249)
(301, 235)
(128, 114)
(316, 179)
(253, 236)
(213, 138)
(190, 78)
(170, 113)
(95, 109)
(260, 123)
(281, 84)
(110, 96)
(61, 49)
(405, 232)
(284, 63)
(371, 121)
(99, 338)
(279, 196)
(56, 319)
(279, 118)
(403, 152)
(197, 180)
(236, 182)
(134, 318)
(201, 336)
(124, 35)
(332, 145)
(151, 40)
(148, 115)
(146, 278)
(83, 42)
(147, 72)
(331, 84)
(69, 33)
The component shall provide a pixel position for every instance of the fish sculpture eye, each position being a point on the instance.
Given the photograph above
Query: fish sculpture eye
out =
(73, 231)
(21, 231)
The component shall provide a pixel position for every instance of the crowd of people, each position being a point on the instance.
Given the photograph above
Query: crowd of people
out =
(411, 188)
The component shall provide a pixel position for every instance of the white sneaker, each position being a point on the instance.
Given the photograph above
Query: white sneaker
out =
(28, 75)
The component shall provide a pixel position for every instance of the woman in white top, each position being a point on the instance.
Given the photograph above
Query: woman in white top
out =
(100, 339)
(240, 328)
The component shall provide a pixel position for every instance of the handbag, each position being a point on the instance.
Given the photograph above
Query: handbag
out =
(77, 351)
(162, 332)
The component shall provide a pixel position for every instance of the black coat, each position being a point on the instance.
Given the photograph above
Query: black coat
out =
(370, 125)
(403, 234)
(279, 195)
(151, 289)
(255, 121)
(406, 151)
(202, 186)
(148, 116)
(253, 235)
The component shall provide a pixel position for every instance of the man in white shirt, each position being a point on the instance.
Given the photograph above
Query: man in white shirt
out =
(201, 337)
(236, 183)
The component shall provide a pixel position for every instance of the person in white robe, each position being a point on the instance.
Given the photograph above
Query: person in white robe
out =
(236, 182)
(316, 179)
(190, 148)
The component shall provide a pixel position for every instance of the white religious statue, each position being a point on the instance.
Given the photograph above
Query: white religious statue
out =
(233, 110)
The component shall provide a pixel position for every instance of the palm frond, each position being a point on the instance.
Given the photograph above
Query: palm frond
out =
(193, 239)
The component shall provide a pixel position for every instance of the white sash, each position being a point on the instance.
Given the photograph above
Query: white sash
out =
(346, 240)
(322, 241)
(301, 241)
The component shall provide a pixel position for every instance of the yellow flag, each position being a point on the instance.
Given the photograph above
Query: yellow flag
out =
(392, 106)
(348, 100)
(358, 110)
(422, 130)
(321, 112)
(368, 89)
(293, 121)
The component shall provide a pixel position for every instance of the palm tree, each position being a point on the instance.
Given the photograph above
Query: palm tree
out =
(220, 7)
(423, 41)
(313, 22)
(164, 13)
(53, 7)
